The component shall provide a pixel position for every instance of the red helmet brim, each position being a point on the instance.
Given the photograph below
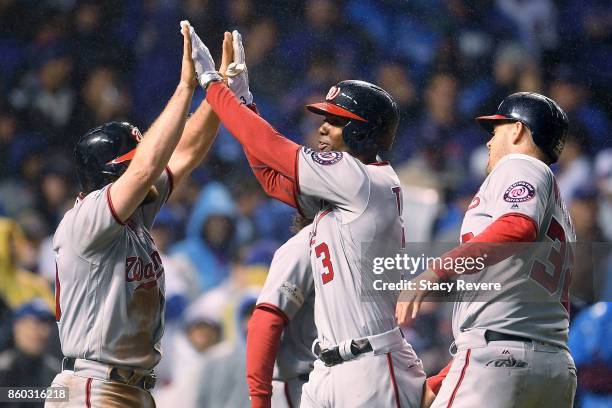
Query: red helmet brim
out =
(323, 108)
(489, 122)
(123, 158)
(494, 117)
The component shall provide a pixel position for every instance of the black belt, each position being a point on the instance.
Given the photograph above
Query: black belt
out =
(331, 356)
(147, 382)
(491, 335)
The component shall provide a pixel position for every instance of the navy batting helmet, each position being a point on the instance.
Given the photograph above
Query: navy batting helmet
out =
(543, 116)
(372, 113)
(102, 154)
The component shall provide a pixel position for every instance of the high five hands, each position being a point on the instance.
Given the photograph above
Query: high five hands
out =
(233, 67)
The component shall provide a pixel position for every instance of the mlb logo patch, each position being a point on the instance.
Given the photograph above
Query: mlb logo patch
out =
(327, 158)
(293, 293)
(519, 192)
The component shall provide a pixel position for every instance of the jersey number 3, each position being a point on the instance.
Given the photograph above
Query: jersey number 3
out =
(322, 252)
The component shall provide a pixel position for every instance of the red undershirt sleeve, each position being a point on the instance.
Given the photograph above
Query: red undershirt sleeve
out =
(263, 340)
(275, 184)
(256, 135)
(509, 228)
(435, 381)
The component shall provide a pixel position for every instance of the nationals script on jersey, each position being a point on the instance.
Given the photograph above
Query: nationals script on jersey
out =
(289, 286)
(110, 282)
(534, 282)
(359, 209)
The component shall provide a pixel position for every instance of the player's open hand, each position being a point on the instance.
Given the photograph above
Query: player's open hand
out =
(202, 60)
(409, 302)
(188, 73)
(237, 73)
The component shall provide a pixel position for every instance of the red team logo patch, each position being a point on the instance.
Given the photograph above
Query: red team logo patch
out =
(327, 158)
(519, 192)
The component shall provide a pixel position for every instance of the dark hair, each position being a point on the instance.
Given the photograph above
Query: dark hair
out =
(299, 222)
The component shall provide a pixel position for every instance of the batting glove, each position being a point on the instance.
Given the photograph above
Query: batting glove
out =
(203, 61)
(237, 73)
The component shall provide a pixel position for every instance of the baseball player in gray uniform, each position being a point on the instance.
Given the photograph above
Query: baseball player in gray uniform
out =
(109, 276)
(289, 294)
(281, 330)
(355, 201)
(512, 348)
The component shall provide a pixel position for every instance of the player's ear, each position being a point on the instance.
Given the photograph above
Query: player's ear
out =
(519, 133)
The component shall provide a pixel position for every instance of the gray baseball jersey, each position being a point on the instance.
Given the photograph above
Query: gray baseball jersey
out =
(534, 282)
(110, 282)
(290, 287)
(359, 216)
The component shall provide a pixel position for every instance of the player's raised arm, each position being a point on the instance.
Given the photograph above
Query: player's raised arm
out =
(272, 157)
(275, 184)
(202, 127)
(253, 132)
(154, 151)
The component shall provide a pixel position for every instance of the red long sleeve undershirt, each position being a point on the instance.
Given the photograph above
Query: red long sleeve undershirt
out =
(263, 340)
(509, 228)
(272, 156)
(435, 381)
(275, 184)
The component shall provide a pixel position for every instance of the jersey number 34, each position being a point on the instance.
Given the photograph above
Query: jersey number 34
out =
(560, 257)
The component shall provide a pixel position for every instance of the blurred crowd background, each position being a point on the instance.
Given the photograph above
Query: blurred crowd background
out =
(69, 65)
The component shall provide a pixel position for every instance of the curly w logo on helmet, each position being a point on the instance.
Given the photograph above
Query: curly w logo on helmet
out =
(333, 92)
